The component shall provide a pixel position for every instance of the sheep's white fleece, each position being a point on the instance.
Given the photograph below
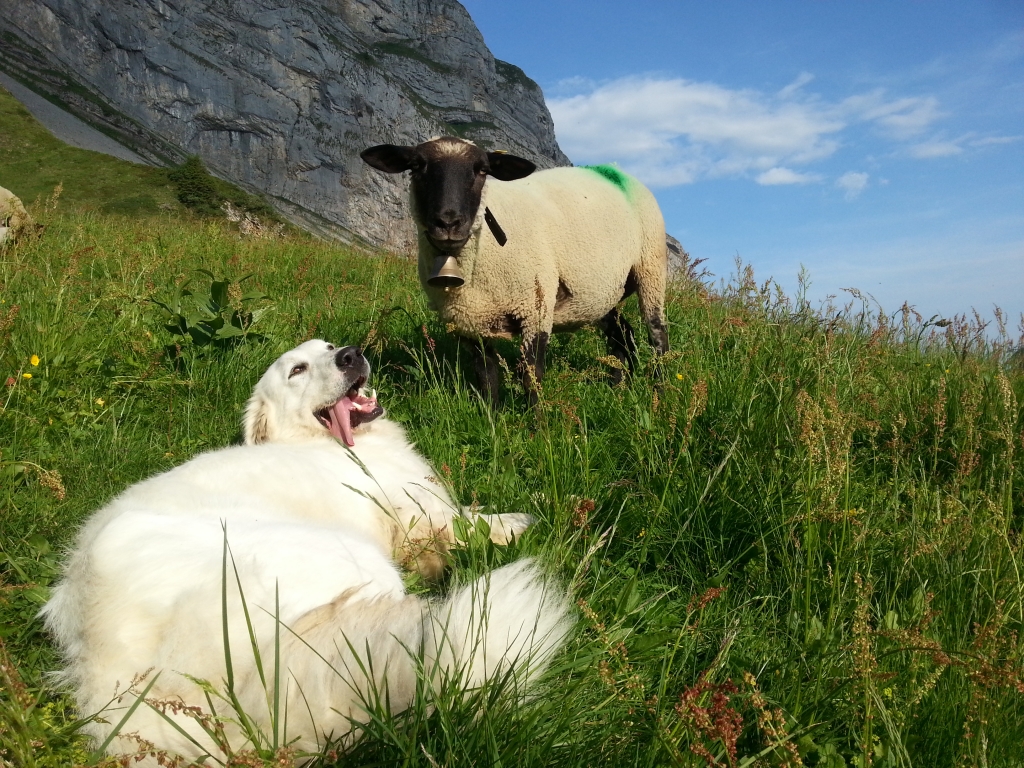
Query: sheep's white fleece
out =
(142, 592)
(14, 219)
(568, 228)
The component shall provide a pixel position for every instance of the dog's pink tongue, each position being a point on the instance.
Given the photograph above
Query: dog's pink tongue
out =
(352, 411)
(341, 421)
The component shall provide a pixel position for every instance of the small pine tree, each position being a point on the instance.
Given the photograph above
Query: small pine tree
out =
(205, 194)
(196, 187)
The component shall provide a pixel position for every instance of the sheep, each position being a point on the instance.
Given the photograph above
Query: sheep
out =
(529, 253)
(14, 219)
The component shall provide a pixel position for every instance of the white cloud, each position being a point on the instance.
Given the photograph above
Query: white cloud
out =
(633, 116)
(989, 141)
(803, 79)
(852, 183)
(777, 175)
(899, 119)
(671, 131)
(570, 86)
(930, 149)
(941, 147)
(1009, 49)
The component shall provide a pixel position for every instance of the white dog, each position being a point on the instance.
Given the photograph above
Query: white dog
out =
(316, 509)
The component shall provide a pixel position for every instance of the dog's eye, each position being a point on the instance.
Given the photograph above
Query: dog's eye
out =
(330, 347)
(296, 370)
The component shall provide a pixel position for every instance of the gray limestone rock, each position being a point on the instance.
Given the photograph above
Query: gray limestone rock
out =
(280, 97)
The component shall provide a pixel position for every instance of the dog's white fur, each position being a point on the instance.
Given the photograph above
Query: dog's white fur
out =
(310, 530)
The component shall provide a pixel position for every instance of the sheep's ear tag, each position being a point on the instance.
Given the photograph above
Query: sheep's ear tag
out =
(496, 230)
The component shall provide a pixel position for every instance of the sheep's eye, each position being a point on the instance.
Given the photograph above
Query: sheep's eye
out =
(330, 347)
(297, 369)
(480, 168)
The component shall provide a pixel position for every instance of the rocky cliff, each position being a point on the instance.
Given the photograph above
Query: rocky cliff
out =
(280, 96)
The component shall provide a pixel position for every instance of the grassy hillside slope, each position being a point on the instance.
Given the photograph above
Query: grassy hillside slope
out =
(33, 162)
(803, 548)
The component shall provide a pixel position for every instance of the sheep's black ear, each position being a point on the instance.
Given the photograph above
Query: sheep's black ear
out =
(390, 158)
(508, 167)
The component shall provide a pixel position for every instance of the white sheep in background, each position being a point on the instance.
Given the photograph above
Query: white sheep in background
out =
(579, 241)
(14, 219)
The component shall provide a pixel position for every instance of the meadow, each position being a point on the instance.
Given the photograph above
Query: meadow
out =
(801, 547)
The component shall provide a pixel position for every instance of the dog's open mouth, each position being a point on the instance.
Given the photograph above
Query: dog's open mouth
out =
(349, 412)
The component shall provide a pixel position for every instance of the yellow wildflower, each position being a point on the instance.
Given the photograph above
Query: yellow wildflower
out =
(26, 375)
(679, 376)
(34, 359)
(99, 401)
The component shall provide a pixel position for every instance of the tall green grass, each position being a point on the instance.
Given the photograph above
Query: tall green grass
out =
(804, 546)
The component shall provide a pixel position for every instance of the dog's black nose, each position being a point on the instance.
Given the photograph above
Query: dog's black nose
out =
(346, 357)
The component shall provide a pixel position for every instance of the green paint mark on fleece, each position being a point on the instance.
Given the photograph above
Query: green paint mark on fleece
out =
(613, 174)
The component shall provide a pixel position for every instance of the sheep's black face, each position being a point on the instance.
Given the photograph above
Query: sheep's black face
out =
(446, 191)
(448, 178)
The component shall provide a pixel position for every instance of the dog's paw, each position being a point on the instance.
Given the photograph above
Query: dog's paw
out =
(508, 526)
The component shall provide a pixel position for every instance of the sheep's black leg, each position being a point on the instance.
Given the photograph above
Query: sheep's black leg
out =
(651, 294)
(658, 333)
(621, 342)
(532, 364)
(488, 372)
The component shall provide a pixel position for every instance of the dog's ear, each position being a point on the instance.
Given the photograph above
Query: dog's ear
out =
(258, 421)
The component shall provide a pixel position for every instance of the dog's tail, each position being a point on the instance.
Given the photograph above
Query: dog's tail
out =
(504, 628)
(509, 622)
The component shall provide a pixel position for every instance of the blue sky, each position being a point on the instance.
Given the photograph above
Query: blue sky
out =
(878, 144)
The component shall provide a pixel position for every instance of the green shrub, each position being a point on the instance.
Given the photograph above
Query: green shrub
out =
(218, 316)
(205, 194)
(196, 188)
